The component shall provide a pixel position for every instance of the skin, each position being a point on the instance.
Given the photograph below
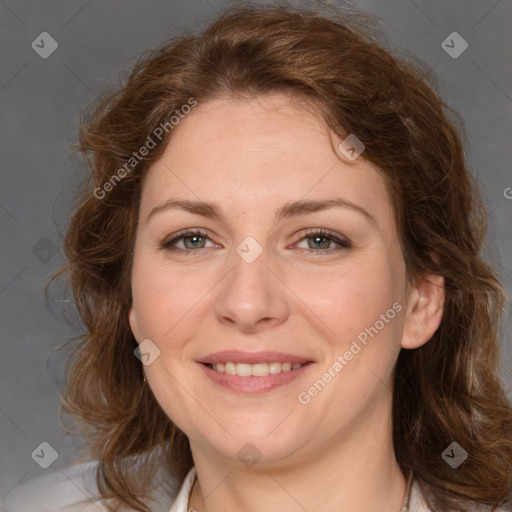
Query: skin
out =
(252, 156)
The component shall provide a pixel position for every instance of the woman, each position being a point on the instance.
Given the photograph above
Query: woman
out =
(281, 226)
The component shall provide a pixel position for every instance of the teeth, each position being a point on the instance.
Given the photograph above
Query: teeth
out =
(243, 370)
(254, 370)
(230, 368)
(259, 370)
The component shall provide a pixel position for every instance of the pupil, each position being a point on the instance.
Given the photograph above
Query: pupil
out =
(192, 238)
(317, 238)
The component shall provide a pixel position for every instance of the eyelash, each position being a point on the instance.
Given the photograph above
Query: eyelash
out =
(343, 243)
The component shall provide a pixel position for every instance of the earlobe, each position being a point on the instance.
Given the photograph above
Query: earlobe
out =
(424, 311)
(132, 319)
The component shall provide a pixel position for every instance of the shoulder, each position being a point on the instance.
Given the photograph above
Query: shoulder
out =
(73, 489)
(417, 503)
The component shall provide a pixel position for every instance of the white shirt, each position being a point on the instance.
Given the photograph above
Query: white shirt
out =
(74, 490)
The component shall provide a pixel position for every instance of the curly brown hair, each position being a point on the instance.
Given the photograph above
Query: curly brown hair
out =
(447, 390)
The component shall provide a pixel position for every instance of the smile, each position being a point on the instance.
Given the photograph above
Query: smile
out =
(254, 370)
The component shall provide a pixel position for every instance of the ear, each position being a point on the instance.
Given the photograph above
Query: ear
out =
(132, 318)
(424, 311)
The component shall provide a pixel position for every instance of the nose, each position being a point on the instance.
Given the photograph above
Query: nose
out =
(252, 297)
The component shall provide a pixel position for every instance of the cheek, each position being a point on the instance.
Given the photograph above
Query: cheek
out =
(165, 298)
(361, 306)
(347, 300)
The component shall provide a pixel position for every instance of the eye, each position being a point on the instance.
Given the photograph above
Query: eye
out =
(196, 239)
(321, 239)
(192, 239)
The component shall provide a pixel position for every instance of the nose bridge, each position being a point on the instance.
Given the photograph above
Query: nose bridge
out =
(251, 291)
(251, 261)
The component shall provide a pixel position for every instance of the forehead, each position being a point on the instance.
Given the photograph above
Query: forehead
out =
(256, 154)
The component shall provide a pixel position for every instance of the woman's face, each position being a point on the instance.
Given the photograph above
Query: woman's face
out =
(259, 286)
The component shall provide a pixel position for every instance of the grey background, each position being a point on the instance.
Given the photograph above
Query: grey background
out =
(39, 102)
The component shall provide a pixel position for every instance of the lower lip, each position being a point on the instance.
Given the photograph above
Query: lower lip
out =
(250, 385)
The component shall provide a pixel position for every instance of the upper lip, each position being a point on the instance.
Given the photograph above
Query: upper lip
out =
(235, 356)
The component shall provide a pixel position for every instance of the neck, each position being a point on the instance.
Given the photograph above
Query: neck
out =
(355, 471)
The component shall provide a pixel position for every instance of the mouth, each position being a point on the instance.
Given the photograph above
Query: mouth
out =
(256, 372)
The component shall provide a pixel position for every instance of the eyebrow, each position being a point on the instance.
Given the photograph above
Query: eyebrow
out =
(290, 209)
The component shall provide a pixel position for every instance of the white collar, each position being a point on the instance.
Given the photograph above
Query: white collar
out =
(180, 504)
